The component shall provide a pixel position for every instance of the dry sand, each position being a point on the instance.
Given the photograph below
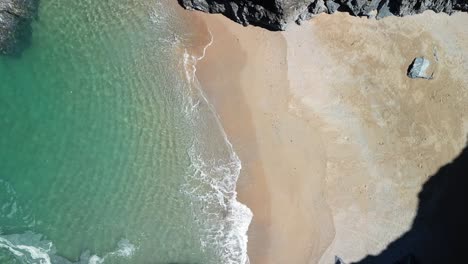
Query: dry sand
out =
(335, 140)
(385, 133)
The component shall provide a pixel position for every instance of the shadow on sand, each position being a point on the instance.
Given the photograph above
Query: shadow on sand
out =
(439, 230)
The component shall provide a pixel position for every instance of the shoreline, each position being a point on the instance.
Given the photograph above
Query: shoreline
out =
(229, 229)
(277, 161)
(240, 126)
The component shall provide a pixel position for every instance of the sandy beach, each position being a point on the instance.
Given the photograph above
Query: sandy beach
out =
(335, 140)
(283, 158)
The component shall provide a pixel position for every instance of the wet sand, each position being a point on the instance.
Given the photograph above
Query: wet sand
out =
(334, 138)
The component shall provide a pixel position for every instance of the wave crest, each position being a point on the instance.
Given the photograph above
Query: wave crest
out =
(212, 178)
(31, 248)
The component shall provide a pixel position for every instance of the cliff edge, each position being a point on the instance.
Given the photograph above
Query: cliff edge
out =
(277, 14)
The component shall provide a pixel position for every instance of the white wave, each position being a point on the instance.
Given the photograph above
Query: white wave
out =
(212, 177)
(31, 249)
(27, 253)
(95, 260)
(212, 181)
(190, 61)
(124, 249)
(212, 185)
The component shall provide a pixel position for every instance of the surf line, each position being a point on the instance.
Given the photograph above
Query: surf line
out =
(240, 232)
(203, 54)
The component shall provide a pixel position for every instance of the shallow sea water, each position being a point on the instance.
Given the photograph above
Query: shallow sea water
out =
(109, 151)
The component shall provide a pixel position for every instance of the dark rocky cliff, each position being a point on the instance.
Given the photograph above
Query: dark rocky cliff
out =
(15, 25)
(276, 14)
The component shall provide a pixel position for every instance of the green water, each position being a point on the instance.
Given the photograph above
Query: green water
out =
(95, 143)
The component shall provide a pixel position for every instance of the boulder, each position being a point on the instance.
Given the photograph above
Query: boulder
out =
(419, 68)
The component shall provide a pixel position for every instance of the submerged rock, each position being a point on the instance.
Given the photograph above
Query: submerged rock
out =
(419, 69)
(15, 25)
(276, 14)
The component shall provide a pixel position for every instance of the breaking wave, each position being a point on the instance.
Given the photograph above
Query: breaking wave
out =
(214, 169)
(31, 248)
(213, 175)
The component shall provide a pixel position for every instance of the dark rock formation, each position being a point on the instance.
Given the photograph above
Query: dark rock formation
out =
(15, 25)
(338, 260)
(276, 14)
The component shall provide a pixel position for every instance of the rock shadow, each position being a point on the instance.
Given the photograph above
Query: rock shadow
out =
(439, 231)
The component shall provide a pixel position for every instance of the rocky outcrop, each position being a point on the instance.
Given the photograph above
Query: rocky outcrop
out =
(15, 25)
(338, 260)
(276, 14)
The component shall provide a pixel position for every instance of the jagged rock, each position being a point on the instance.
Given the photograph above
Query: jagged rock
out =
(15, 25)
(332, 6)
(338, 260)
(276, 14)
(384, 9)
(419, 69)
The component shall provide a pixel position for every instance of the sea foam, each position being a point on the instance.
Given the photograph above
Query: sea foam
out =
(31, 248)
(211, 178)
(27, 253)
(212, 181)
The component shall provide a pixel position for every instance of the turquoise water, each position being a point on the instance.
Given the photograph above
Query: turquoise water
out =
(109, 151)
